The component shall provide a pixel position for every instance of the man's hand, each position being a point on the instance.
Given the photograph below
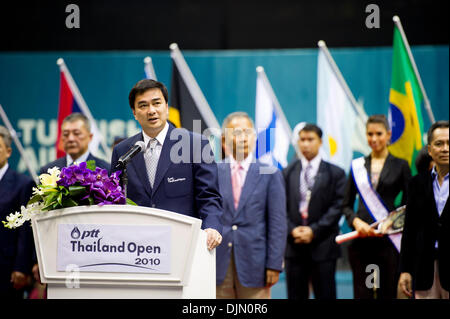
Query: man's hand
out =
(272, 277)
(302, 234)
(214, 238)
(18, 279)
(35, 272)
(405, 284)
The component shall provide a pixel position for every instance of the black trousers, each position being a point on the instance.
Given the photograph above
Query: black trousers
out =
(367, 254)
(301, 269)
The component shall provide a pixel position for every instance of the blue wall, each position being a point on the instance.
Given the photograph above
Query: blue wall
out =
(29, 85)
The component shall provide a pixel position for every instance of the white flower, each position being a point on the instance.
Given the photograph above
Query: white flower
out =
(37, 191)
(54, 171)
(51, 178)
(17, 219)
(13, 220)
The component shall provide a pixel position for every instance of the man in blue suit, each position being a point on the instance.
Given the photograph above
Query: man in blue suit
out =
(176, 171)
(16, 244)
(76, 136)
(254, 221)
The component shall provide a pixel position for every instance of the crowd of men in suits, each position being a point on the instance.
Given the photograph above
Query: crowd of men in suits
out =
(260, 223)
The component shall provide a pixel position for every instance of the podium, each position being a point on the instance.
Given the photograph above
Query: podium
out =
(121, 252)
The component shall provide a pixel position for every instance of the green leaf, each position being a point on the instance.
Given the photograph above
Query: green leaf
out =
(35, 198)
(69, 202)
(75, 191)
(91, 200)
(91, 165)
(60, 198)
(130, 202)
(50, 198)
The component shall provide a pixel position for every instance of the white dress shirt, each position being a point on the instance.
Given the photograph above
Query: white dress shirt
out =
(82, 158)
(3, 170)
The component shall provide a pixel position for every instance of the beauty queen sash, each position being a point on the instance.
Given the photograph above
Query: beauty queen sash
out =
(370, 197)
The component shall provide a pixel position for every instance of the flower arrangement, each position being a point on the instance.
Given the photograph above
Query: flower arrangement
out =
(76, 185)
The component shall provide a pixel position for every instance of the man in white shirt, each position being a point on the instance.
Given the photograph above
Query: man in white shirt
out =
(250, 258)
(75, 136)
(425, 250)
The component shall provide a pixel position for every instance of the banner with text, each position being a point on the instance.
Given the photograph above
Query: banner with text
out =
(114, 248)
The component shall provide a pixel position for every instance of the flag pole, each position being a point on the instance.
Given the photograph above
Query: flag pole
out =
(63, 68)
(427, 105)
(278, 110)
(194, 88)
(322, 46)
(19, 145)
(149, 69)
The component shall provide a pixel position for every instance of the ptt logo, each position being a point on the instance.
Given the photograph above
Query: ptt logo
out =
(76, 234)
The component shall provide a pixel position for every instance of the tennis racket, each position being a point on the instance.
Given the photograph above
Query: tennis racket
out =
(391, 224)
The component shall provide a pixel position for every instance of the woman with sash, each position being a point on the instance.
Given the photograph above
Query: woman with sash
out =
(379, 180)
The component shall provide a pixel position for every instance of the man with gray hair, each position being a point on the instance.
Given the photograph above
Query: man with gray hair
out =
(75, 136)
(16, 245)
(250, 257)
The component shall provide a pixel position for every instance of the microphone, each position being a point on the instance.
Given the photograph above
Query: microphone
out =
(138, 147)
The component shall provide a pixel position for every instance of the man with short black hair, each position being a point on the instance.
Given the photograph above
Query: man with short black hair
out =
(425, 249)
(314, 191)
(187, 184)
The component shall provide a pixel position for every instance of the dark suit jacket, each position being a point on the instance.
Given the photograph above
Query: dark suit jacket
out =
(394, 178)
(423, 226)
(62, 162)
(259, 237)
(323, 211)
(16, 245)
(189, 187)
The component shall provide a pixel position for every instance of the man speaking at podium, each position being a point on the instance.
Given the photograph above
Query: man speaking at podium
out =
(159, 176)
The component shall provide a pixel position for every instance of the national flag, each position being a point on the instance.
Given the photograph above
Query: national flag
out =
(335, 114)
(180, 98)
(273, 139)
(70, 101)
(405, 100)
(359, 139)
(187, 102)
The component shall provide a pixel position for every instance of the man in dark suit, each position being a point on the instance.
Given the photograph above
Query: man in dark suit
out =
(176, 171)
(425, 249)
(254, 220)
(76, 136)
(15, 244)
(314, 190)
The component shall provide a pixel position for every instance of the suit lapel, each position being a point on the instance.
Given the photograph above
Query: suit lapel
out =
(385, 170)
(138, 164)
(295, 182)
(319, 178)
(227, 188)
(249, 185)
(164, 160)
(430, 195)
(6, 183)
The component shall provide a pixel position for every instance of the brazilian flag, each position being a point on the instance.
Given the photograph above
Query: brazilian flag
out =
(405, 111)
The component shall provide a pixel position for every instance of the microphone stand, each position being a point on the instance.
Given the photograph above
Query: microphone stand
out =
(124, 177)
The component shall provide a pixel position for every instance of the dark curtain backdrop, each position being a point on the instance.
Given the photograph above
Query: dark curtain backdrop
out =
(215, 24)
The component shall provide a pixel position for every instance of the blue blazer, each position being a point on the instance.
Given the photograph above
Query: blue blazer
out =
(189, 187)
(62, 162)
(259, 238)
(16, 245)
